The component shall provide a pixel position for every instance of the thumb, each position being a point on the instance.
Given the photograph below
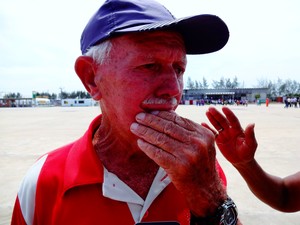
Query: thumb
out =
(250, 137)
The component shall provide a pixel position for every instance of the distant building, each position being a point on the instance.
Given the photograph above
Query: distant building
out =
(15, 102)
(41, 102)
(78, 102)
(225, 94)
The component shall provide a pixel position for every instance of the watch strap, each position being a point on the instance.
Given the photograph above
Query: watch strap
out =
(226, 214)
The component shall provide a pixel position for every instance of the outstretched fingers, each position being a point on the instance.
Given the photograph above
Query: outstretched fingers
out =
(218, 120)
(231, 118)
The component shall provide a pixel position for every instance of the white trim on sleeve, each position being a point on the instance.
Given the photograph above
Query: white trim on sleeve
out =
(26, 194)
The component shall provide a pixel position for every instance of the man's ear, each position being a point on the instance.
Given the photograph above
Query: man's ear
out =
(85, 69)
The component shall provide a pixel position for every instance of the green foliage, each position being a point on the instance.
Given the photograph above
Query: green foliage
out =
(45, 95)
(222, 83)
(277, 88)
(281, 87)
(74, 94)
(62, 95)
(190, 84)
(225, 83)
(13, 95)
(257, 96)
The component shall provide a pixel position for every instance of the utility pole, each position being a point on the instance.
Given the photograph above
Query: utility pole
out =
(61, 93)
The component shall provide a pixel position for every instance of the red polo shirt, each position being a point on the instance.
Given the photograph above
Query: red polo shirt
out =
(65, 187)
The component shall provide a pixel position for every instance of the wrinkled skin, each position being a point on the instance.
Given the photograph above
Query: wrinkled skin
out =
(186, 151)
(139, 87)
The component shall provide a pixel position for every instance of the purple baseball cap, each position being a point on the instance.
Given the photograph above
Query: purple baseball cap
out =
(201, 33)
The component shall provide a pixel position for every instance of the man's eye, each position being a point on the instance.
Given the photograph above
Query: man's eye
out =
(179, 70)
(151, 66)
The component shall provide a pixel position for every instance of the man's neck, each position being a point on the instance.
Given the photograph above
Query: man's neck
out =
(127, 162)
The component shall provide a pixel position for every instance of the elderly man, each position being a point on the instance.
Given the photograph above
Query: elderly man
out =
(139, 161)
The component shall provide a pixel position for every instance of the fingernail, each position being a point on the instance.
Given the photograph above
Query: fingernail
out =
(141, 144)
(134, 126)
(140, 116)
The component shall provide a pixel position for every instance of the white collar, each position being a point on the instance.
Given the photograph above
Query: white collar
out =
(116, 189)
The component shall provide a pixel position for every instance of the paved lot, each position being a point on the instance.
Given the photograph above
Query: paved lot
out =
(26, 133)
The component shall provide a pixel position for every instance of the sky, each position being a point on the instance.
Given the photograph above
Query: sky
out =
(39, 42)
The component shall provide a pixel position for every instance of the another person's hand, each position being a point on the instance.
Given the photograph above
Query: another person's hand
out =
(237, 145)
(186, 151)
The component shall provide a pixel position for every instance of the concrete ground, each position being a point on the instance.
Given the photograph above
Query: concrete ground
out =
(26, 133)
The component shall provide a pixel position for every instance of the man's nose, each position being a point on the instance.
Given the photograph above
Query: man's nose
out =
(171, 84)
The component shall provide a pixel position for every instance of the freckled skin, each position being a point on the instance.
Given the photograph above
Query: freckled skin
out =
(144, 77)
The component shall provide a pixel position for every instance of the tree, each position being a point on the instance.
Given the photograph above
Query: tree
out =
(292, 87)
(273, 90)
(190, 83)
(235, 83)
(79, 94)
(222, 83)
(74, 94)
(63, 95)
(280, 87)
(13, 95)
(53, 96)
(204, 83)
(262, 83)
(197, 85)
(219, 84)
(228, 83)
(257, 96)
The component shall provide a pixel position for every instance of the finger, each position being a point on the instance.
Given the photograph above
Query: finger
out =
(250, 137)
(159, 156)
(231, 118)
(213, 121)
(173, 117)
(156, 138)
(164, 126)
(218, 120)
(210, 128)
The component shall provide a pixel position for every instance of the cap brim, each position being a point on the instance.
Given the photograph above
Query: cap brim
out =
(202, 33)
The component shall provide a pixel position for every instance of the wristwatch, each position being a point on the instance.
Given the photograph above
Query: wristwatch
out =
(226, 214)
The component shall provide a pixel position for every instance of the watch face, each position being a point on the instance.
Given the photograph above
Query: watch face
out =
(229, 216)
